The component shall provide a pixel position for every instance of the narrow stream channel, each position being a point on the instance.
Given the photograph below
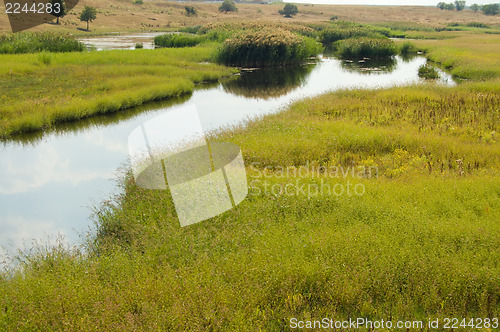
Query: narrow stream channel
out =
(51, 181)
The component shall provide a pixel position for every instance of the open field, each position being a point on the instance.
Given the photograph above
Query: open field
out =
(119, 15)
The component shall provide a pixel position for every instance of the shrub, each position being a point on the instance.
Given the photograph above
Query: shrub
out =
(138, 2)
(228, 6)
(407, 48)
(139, 46)
(191, 29)
(427, 72)
(289, 10)
(490, 9)
(267, 47)
(334, 18)
(355, 48)
(178, 40)
(190, 11)
(478, 25)
(33, 42)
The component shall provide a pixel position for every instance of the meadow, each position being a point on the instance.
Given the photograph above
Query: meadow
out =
(381, 204)
(420, 240)
(40, 90)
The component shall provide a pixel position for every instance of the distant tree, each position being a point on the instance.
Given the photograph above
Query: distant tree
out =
(190, 11)
(88, 14)
(289, 10)
(459, 5)
(441, 5)
(490, 9)
(474, 7)
(228, 6)
(58, 9)
(449, 6)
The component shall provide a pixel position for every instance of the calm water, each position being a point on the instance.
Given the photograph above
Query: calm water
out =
(50, 182)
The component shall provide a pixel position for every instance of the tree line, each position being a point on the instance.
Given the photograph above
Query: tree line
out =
(492, 9)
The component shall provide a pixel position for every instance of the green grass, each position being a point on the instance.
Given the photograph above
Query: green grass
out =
(345, 30)
(466, 54)
(33, 42)
(40, 90)
(264, 48)
(427, 72)
(423, 241)
(178, 40)
(356, 48)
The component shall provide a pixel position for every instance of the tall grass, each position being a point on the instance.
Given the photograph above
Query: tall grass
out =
(32, 42)
(178, 40)
(346, 30)
(417, 244)
(468, 55)
(267, 48)
(355, 48)
(72, 86)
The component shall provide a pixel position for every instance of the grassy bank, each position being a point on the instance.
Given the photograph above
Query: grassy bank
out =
(32, 42)
(40, 90)
(422, 240)
(466, 54)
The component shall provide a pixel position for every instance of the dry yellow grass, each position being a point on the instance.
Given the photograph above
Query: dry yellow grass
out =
(117, 15)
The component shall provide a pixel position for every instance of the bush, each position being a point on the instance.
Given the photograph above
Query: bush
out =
(268, 47)
(356, 48)
(289, 10)
(334, 18)
(190, 11)
(427, 72)
(228, 6)
(178, 40)
(139, 46)
(33, 42)
(478, 25)
(490, 9)
(138, 2)
(407, 48)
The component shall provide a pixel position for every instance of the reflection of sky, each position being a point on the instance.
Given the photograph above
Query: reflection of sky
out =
(49, 186)
(125, 42)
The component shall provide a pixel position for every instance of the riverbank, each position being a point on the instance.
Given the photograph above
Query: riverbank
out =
(41, 90)
(411, 233)
(378, 204)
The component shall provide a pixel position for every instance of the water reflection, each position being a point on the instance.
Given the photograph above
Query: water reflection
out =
(268, 82)
(83, 125)
(48, 181)
(370, 66)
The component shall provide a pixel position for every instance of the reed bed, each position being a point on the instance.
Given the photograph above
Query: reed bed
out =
(71, 86)
(266, 48)
(33, 42)
(178, 40)
(357, 48)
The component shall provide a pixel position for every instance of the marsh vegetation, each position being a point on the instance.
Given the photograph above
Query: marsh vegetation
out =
(420, 241)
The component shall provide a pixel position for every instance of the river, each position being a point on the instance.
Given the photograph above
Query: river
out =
(51, 182)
